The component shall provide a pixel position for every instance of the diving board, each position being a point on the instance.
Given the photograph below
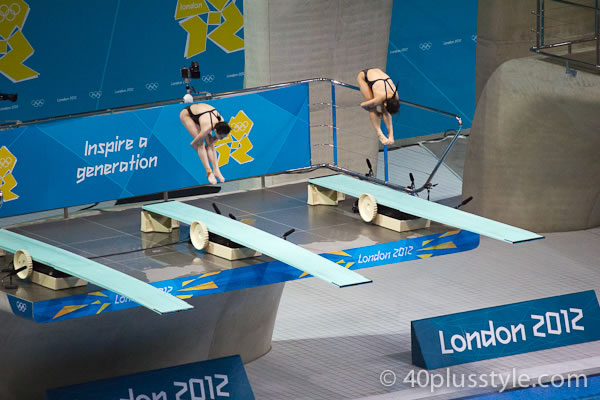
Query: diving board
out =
(96, 273)
(264, 242)
(426, 209)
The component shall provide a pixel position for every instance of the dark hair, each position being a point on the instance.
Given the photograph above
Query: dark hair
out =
(222, 129)
(392, 105)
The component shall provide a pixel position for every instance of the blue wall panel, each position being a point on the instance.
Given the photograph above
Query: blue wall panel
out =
(432, 57)
(88, 159)
(98, 54)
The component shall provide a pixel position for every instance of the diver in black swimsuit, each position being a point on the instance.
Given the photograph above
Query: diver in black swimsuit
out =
(379, 101)
(201, 120)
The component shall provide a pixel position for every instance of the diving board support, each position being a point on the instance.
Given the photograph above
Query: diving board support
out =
(318, 195)
(199, 235)
(426, 209)
(152, 222)
(264, 242)
(91, 271)
(401, 225)
(55, 283)
(230, 253)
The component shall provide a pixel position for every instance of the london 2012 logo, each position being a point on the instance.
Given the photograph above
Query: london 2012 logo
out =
(216, 20)
(7, 180)
(14, 47)
(237, 144)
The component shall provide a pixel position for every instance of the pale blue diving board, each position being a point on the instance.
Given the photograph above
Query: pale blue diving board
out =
(96, 273)
(425, 209)
(261, 241)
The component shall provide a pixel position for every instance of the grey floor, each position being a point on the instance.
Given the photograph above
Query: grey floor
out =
(334, 344)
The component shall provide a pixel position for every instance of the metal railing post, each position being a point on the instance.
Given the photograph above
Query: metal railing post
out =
(538, 22)
(542, 11)
(597, 35)
(385, 161)
(334, 124)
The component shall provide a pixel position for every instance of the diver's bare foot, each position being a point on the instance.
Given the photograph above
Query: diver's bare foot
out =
(220, 177)
(212, 179)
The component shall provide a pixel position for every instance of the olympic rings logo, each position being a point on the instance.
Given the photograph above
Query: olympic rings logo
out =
(38, 103)
(152, 86)
(96, 94)
(240, 126)
(9, 13)
(208, 78)
(425, 46)
(5, 162)
(22, 307)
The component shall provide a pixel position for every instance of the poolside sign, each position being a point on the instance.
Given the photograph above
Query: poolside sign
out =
(505, 330)
(221, 378)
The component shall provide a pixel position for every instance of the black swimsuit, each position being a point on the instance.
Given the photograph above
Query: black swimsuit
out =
(196, 117)
(371, 83)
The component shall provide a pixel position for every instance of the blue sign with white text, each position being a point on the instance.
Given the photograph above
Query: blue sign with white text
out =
(431, 56)
(105, 157)
(218, 379)
(505, 330)
(67, 57)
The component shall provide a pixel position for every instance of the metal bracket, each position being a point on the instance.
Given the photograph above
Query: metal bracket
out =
(569, 70)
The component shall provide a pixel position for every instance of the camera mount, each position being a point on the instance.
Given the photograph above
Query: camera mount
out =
(9, 96)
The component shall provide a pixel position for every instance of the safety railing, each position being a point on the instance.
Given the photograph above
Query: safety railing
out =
(427, 184)
(566, 24)
(334, 144)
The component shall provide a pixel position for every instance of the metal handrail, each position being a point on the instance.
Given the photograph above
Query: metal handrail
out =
(540, 30)
(427, 183)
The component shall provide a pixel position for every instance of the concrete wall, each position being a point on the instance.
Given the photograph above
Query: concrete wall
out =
(36, 357)
(504, 31)
(288, 40)
(533, 153)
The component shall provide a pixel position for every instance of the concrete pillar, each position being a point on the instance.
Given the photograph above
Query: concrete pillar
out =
(506, 30)
(532, 159)
(288, 40)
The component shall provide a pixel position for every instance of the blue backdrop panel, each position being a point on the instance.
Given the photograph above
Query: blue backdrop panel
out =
(505, 330)
(88, 159)
(66, 57)
(432, 57)
(218, 379)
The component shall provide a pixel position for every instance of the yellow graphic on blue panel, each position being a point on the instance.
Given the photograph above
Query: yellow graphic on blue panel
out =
(7, 179)
(220, 24)
(237, 144)
(14, 47)
(342, 261)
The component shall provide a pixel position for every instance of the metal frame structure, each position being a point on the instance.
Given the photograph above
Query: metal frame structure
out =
(333, 167)
(542, 48)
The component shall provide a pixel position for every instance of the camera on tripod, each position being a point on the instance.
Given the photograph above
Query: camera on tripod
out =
(189, 73)
(193, 72)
